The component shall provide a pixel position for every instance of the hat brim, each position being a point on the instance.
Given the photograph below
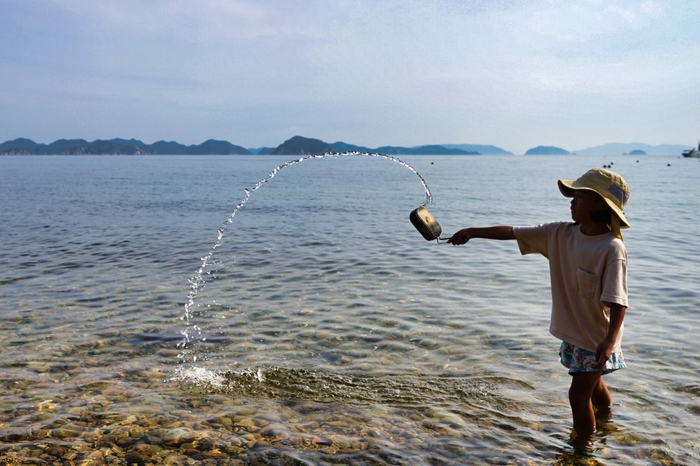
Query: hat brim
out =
(567, 188)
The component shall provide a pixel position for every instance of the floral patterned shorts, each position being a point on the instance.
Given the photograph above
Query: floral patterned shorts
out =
(580, 360)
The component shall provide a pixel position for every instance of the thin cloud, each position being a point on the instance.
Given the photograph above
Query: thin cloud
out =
(511, 73)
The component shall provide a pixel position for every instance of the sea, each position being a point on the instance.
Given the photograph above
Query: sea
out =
(271, 310)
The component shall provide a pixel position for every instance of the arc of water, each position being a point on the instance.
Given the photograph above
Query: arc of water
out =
(195, 282)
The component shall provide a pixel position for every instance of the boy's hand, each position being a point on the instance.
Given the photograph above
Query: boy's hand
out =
(461, 237)
(602, 353)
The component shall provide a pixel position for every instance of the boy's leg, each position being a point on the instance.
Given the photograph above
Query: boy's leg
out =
(601, 399)
(583, 385)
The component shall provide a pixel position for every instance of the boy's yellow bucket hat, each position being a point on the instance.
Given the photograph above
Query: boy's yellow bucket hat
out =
(610, 186)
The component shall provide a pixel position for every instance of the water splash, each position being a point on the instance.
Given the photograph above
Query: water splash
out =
(355, 388)
(193, 332)
(202, 377)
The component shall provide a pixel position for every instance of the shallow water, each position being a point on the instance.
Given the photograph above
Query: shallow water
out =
(325, 329)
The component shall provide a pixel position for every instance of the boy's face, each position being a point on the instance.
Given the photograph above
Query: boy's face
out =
(584, 204)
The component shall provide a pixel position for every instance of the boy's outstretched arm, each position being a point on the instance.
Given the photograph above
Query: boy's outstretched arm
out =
(465, 234)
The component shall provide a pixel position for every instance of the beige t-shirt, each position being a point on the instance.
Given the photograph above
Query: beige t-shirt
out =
(587, 273)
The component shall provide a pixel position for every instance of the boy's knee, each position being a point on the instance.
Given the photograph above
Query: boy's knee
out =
(583, 385)
(577, 398)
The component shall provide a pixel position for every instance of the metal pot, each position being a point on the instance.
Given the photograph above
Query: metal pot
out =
(426, 224)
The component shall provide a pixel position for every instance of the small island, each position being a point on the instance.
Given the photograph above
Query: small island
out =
(547, 150)
(299, 145)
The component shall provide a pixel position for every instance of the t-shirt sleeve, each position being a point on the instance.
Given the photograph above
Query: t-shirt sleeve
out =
(615, 283)
(532, 239)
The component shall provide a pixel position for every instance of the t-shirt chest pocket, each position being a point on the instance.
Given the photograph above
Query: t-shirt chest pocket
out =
(587, 283)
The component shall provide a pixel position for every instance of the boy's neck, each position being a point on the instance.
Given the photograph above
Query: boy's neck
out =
(594, 229)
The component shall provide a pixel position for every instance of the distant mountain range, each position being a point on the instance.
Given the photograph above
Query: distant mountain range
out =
(614, 148)
(299, 145)
(634, 148)
(118, 147)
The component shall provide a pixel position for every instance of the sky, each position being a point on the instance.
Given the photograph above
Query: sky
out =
(515, 74)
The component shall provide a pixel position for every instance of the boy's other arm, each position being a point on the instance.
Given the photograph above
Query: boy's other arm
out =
(604, 350)
(465, 234)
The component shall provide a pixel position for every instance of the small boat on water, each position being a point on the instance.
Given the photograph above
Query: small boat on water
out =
(694, 153)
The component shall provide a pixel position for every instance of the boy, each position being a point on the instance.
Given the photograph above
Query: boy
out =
(588, 272)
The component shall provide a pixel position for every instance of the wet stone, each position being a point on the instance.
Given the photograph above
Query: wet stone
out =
(64, 433)
(187, 446)
(321, 442)
(105, 441)
(144, 449)
(175, 459)
(177, 436)
(235, 442)
(57, 451)
(204, 444)
(81, 446)
(126, 442)
(93, 458)
(274, 430)
(242, 421)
